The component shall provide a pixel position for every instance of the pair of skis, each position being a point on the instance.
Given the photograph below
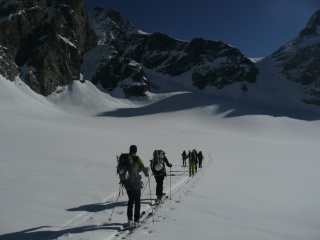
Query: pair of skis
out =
(157, 204)
(127, 230)
(144, 216)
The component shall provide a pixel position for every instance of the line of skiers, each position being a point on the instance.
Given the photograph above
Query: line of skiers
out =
(195, 159)
(130, 165)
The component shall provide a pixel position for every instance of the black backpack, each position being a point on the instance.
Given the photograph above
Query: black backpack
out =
(125, 169)
(157, 163)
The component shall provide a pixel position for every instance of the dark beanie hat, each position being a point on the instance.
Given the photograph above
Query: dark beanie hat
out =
(133, 149)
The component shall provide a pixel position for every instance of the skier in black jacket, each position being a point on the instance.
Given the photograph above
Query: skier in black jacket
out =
(134, 189)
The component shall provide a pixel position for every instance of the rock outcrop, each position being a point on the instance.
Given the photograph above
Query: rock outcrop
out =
(43, 41)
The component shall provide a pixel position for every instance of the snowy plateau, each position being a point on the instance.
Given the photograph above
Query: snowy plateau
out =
(259, 179)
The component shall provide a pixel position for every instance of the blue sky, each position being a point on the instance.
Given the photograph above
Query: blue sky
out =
(256, 27)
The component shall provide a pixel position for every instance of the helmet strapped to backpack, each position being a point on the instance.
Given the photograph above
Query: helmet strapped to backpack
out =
(157, 163)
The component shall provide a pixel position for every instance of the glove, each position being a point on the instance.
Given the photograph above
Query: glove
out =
(147, 175)
(170, 165)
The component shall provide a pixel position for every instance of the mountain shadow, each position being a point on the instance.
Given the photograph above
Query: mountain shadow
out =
(231, 108)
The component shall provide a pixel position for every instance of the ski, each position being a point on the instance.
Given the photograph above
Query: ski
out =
(126, 226)
(125, 232)
(144, 217)
(164, 196)
(158, 204)
(129, 230)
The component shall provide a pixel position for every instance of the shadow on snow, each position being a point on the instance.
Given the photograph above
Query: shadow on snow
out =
(37, 233)
(188, 100)
(99, 207)
(34, 233)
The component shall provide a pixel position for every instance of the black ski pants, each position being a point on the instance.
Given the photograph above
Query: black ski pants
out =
(134, 196)
(159, 188)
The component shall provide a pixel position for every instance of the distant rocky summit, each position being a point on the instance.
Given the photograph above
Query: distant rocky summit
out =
(125, 51)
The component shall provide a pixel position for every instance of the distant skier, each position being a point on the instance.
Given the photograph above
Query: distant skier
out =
(195, 159)
(191, 164)
(184, 158)
(200, 158)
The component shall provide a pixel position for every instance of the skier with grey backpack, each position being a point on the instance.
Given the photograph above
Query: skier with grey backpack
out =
(158, 166)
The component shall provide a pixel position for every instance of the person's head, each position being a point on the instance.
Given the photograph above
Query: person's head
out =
(133, 149)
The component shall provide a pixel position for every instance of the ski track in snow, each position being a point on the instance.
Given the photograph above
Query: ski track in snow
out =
(86, 223)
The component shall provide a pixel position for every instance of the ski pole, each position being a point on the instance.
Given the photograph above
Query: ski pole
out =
(151, 201)
(115, 203)
(145, 186)
(170, 183)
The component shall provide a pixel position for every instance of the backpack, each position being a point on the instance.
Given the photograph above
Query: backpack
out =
(157, 163)
(125, 169)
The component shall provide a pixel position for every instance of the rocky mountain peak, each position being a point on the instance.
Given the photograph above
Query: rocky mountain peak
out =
(299, 59)
(124, 52)
(108, 24)
(313, 26)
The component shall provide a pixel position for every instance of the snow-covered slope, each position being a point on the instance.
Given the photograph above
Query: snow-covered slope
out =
(58, 159)
(299, 60)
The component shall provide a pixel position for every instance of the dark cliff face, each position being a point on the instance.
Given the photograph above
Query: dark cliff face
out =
(300, 59)
(44, 40)
(18, 21)
(208, 63)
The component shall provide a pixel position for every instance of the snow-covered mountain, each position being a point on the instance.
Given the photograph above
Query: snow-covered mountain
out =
(50, 43)
(299, 59)
(125, 52)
